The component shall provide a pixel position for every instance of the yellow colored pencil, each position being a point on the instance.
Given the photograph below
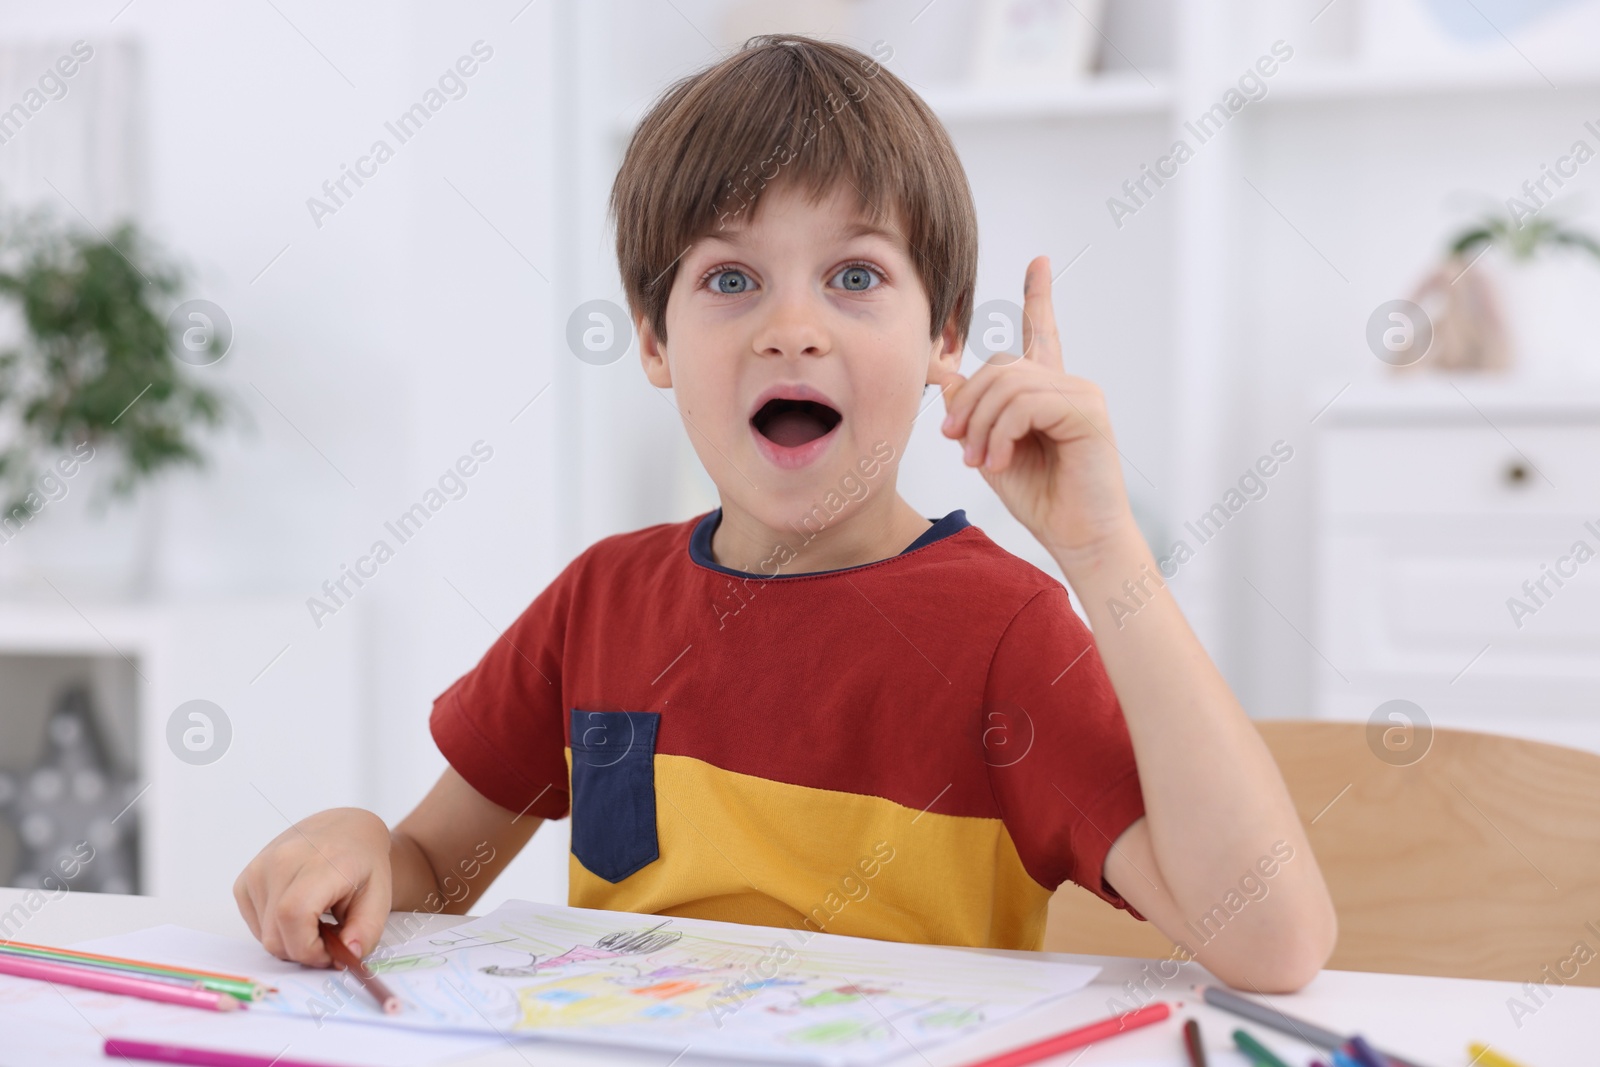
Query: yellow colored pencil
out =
(1484, 1056)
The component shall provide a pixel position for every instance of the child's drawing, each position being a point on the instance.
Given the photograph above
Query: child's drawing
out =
(383, 964)
(609, 946)
(666, 983)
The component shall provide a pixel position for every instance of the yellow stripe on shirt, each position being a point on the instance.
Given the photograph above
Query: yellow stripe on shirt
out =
(741, 848)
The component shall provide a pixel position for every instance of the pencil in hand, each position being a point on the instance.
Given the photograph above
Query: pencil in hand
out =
(347, 960)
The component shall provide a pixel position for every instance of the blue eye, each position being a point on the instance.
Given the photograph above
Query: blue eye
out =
(730, 281)
(856, 278)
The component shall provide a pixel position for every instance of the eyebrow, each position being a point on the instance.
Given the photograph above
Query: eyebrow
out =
(859, 228)
(867, 229)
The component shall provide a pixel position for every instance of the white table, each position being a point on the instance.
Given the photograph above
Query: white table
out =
(1428, 1020)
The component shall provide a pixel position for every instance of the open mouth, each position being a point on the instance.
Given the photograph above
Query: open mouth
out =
(793, 423)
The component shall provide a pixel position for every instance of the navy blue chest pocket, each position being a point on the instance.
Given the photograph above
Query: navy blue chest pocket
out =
(614, 791)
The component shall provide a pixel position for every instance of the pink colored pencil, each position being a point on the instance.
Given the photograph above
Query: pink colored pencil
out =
(123, 1048)
(69, 974)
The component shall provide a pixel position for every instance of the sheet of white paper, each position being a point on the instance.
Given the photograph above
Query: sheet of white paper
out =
(671, 984)
(67, 1027)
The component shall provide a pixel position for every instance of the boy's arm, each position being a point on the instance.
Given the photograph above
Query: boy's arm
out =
(1215, 804)
(1218, 818)
(452, 846)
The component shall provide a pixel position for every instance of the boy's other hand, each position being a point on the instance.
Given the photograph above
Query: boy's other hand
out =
(1042, 437)
(334, 861)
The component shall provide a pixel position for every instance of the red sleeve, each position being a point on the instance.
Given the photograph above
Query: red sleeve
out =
(501, 724)
(1060, 760)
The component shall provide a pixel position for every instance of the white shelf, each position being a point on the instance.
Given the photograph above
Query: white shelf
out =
(41, 627)
(1355, 82)
(1109, 95)
(1118, 95)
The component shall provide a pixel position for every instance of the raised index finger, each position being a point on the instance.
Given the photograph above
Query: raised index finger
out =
(1041, 343)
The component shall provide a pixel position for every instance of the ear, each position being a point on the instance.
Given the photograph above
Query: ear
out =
(653, 354)
(944, 355)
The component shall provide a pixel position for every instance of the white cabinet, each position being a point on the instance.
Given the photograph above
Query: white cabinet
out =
(1457, 557)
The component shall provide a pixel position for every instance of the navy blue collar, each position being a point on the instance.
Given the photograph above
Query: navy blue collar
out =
(700, 544)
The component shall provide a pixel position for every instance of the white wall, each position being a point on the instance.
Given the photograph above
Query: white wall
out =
(387, 341)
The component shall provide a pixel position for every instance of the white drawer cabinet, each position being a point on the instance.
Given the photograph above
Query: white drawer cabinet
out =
(1457, 558)
(1465, 468)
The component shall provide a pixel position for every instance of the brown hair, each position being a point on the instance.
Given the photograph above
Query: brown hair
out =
(790, 108)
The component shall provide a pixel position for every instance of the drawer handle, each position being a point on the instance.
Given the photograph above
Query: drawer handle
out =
(1516, 473)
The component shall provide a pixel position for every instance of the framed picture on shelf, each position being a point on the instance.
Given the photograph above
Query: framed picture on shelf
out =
(1037, 42)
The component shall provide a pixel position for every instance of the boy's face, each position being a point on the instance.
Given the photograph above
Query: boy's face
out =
(799, 341)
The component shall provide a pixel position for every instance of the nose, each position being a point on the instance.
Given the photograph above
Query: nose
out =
(792, 324)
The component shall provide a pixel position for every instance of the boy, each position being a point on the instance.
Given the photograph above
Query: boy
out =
(814, 706)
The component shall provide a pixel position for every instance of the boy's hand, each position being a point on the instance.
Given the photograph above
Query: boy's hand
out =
(334, 861)
(1041, 437)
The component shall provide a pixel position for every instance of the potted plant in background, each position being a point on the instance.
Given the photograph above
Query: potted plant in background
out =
(1548, 271)
(95, 402)
(1543, 272)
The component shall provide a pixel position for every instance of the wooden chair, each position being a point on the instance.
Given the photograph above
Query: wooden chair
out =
(1479, 860)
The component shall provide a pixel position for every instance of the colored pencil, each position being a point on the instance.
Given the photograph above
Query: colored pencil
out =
(126, 984)
(6, 945)
(347, 959)
(1259, 1054)
(1192, 1043)
(1266, 1015)
(1083, 1035)
(1484, 1056)
(235, 984)
(1364, 1053)
(103, 968)
(127, 1049)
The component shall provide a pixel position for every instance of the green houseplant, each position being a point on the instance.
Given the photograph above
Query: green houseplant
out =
(94, 364)
(1522, 239)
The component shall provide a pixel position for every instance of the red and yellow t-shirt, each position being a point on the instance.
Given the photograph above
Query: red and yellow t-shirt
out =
(917, 749)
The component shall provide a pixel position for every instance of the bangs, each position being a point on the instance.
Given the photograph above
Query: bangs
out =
(818, 116)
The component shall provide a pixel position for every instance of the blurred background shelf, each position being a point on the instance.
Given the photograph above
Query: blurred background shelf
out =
(1333, 83)
(1108, 95)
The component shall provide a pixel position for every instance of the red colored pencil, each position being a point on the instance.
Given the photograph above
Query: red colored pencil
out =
(345, 958)
(68, 974)
(1193, 1043)
(1083, 1035)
